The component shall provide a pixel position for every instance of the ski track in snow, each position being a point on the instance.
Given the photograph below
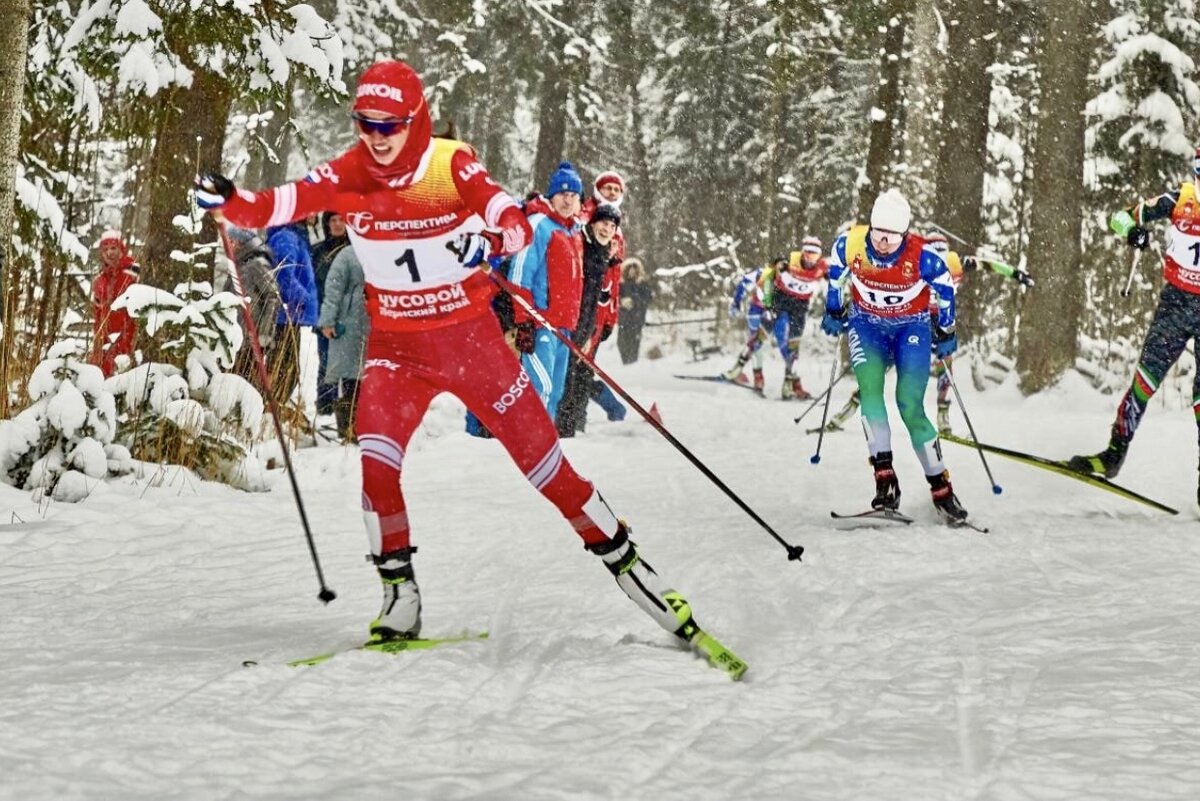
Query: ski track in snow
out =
(1057, 657)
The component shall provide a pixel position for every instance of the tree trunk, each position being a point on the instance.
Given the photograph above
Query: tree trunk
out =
(13, 42)
(269, 158)
(923, 88)
(964, 140)
(552, 126)
(1048, 343)
(13, 39)
(886, 116)
(198, 113)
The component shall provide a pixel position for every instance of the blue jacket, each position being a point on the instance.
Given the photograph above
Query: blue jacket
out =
(294, 275)
(550, 269)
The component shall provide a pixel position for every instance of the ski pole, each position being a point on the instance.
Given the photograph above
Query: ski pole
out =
(682, 322)
(952, 235)
(1133, 264)
(837, 357)
(326, 594)
(821, 397)
(996, 488)
(793, 551)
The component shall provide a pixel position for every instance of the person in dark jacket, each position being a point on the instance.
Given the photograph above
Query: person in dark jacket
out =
(323, 254)
(298, 292)
(255, 264)
(598, 257)
(636, 294)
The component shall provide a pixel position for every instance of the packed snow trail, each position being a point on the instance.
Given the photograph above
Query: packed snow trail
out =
(1056, 657)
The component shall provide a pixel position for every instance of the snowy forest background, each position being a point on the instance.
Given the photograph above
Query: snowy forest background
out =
(1018, 126)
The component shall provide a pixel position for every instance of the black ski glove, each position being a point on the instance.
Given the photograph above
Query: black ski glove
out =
(525, 338)
(212, 190)
(606, 333)
(1138, 237)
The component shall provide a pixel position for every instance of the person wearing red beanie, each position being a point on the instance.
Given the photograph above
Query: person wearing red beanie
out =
(113, 330)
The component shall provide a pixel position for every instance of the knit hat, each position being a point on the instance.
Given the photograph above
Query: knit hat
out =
(608, 177)
(607, 211)
(937, 242)
(810, 244)
(111, 235)
(564, 179)
(891, 212)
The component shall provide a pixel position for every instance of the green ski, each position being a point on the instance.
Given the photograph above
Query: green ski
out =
(391, 647)
(1063, 470)
(718, 655)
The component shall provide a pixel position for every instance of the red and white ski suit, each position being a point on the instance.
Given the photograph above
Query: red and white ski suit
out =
(432, 329)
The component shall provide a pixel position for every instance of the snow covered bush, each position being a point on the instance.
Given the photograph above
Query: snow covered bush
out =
(66, 436)
(185, 409)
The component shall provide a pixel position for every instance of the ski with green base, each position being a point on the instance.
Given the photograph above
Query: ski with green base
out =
(1063, 469)
(392, 647)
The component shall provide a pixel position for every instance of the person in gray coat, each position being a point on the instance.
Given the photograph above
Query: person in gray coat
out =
(343, 321)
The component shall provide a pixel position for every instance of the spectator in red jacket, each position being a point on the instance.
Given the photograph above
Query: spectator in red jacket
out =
(112, 330)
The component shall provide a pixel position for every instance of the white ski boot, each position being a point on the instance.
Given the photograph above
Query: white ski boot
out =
(400, 616)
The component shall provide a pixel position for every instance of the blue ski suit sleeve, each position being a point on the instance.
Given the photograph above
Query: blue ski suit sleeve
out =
(935, 273)
(836, 297)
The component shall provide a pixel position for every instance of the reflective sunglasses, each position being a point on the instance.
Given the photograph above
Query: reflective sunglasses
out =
(882, 238)
(381, 127)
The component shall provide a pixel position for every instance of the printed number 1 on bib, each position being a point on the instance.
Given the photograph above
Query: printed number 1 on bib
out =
(410, 261)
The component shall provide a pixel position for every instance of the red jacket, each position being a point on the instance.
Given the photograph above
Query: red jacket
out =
(112, 330)
(400, 227)
(549, 272)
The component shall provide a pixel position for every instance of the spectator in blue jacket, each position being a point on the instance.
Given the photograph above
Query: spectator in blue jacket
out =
(298, 294)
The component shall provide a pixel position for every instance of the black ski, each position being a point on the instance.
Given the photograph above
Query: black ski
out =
(869, 517)
(719, 379)
(1063, 469)
(954, 522)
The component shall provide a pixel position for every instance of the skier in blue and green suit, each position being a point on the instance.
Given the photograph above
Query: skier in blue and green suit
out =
(880, 279)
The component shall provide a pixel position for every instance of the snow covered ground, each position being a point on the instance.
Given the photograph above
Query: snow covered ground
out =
(1057, 657)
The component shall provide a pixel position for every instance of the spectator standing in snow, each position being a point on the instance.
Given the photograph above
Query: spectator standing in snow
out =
(255, 265)
(598, 259)
(343, 324)
(113, 330)
(323, 253)
(550, 272)
(298, 293)
(636, 294)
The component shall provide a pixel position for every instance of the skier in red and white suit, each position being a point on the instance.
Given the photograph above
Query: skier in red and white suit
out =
(423, 216)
